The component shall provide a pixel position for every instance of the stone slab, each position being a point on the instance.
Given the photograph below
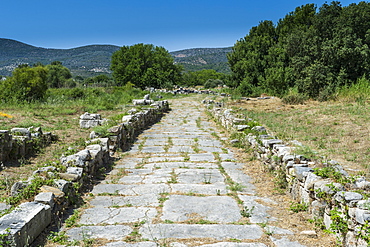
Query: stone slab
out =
(284, 242)
(153, 149)
(110, 216)
(230, 244)
(110, 232)
(130, 190)
(202, 157)
(221, 209)
(124, 244)
(187, 231)
(120, 201)
(199, 176)
(258, 211)
(206, 189)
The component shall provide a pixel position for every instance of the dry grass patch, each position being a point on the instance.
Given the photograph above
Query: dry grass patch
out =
(335, 130)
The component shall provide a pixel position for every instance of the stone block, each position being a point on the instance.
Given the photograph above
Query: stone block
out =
(25, 223)
(46, 198)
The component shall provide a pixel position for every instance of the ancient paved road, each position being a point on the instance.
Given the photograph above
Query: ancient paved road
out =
(178, 186)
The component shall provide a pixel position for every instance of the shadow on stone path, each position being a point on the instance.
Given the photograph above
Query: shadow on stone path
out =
(178, 186)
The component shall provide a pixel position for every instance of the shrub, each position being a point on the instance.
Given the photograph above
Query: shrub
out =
(294, 97)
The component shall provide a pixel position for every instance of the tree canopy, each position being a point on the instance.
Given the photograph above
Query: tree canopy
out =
(145, 65)
(25, 84)
(313, 50)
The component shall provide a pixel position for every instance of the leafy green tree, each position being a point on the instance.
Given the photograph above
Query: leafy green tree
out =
(199, 78)
(25, 84)
(58, 75)
(145, 65)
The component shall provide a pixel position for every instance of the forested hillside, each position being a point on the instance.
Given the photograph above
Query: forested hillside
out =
(314, 51)
(84, 61)
(203, 58)
(95, 59)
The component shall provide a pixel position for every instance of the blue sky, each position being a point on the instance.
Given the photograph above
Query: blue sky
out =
(173, 24)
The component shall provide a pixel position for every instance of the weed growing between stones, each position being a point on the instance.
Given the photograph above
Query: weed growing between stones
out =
(72, 220)
(247, 212)
(173, 179)
(298, 207)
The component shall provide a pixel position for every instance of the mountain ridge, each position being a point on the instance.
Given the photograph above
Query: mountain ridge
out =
(90, 60)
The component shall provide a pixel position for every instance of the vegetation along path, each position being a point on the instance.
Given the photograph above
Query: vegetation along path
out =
(181, 185)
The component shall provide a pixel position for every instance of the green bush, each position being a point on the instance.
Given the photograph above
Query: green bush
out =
(294, 97)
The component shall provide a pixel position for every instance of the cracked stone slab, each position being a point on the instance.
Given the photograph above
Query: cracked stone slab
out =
(230, 244)
(130, 190)
(278, 230)
(174, 165)
(133, 179)
(202, 157)
(207, 189)
(165, 159)
(186, 231)
(181, 149)
(221, 209)
(199, 176)
(124, 244)
(258, 211)
(115, 232)
(229, 156)
(153, 149)
(209, 143)
(211, 149)
(120, 201)
(284, 242)
(110, 216)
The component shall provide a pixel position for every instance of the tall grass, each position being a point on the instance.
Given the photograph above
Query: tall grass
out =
(358, 92)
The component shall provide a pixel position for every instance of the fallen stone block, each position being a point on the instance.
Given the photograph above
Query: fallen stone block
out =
(22, 226)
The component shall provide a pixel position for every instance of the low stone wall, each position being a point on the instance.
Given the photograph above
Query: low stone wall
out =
(340, 206)
(22, 226)
(22, 142)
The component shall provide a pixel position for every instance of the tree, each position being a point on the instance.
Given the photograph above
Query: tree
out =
(199, 78)
(145, 65)
(58, 75)
(25, 84)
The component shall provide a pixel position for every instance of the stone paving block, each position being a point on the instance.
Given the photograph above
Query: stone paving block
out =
(199, 176)
(209, 143)
(124, 244)
(110, 232)
(181, 149)
(186, 231)
(207, 189)
(159, 177)
(110, 216)
(230, 244)
(202, 157)
(165, 159)
(284, 242)
(130, 190)
(221, 209)
(133, 179)
(258, 211)
(120, 201)
(211, 149)
(153, 149)
(228, 156)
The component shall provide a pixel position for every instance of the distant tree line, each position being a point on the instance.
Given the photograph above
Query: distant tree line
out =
(315, 51)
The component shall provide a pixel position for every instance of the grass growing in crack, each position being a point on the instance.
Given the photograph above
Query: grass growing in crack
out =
(185, 155)
(173, 179)
(198, 122)
(168, 145)
(207, 176)
(235, 186)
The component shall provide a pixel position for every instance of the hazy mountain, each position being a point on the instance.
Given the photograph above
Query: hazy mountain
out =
(95, 59)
